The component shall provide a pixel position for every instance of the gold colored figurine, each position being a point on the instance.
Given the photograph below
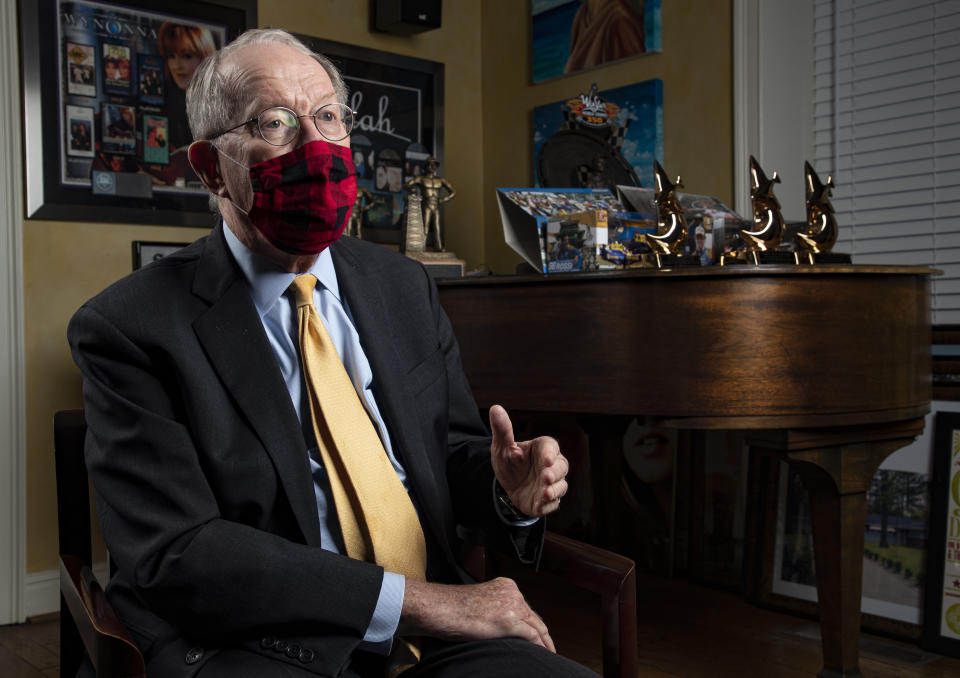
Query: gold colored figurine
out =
(355, 225)
(671, 225)
(766, 213)
(821, 231)
(431, 188)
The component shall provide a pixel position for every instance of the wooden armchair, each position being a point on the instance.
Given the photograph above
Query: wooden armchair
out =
(88, 622)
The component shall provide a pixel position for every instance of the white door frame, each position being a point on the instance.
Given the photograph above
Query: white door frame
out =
(773, 97)
(13, 533)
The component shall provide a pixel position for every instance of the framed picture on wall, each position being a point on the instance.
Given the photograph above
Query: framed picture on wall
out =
(622, 127)
(399, 105)
(571, 35)
(147, 252)
(98, 107)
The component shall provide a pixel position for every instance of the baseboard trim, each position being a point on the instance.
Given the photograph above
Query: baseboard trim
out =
(42, 590)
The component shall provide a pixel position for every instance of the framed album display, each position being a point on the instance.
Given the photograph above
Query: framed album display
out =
(105, 125)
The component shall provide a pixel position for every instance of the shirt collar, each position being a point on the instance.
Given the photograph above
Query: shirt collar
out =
(268, 282)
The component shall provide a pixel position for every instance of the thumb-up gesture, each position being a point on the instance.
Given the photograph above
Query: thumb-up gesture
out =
(532, 472)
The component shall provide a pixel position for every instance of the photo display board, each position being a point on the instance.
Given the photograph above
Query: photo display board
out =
(105, 114)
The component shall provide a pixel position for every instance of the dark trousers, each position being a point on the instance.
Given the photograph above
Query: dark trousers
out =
(506, 657)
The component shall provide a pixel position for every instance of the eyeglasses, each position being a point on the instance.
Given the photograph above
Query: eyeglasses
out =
(279, 125)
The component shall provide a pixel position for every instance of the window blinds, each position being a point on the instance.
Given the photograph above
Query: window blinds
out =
(887, 127)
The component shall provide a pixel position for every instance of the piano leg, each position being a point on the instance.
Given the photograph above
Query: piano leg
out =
(838, 520)
(837, 467)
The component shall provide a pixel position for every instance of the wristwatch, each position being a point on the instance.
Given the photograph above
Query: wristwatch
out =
(507, 505)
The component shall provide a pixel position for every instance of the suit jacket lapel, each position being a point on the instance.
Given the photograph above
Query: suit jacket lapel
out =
(360, 284)
(233, 337)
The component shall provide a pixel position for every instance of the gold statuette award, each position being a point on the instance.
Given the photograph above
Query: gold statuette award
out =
(425, 194)
(767, 218)
(667, 243)
(813, 243)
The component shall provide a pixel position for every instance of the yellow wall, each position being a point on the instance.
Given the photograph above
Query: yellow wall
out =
(85, 258)
(487, 143)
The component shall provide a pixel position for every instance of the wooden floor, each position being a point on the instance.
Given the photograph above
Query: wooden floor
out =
(31, 650)
(689, 631)
(684, 630)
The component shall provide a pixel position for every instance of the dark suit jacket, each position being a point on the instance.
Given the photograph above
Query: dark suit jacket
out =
(200, 468)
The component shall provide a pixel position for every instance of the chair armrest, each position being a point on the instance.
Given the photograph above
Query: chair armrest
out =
(110, 647)
(594, 569)
(589, 567)
(610, 575)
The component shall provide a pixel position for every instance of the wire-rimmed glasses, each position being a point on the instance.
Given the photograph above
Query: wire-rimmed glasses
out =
(279, 125)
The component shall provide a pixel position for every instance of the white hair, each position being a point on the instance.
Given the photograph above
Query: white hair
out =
(216, 99)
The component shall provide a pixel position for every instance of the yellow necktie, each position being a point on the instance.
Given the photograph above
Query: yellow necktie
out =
(377, 517)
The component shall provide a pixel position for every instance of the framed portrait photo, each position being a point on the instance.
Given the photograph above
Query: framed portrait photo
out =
(117, 75)
(147, 252)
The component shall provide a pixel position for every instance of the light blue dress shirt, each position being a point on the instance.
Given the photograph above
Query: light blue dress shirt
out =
(278, 315)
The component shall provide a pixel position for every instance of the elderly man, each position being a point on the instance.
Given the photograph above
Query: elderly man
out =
(281, 437)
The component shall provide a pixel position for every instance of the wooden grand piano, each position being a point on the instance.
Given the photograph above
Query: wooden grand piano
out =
(828, 366)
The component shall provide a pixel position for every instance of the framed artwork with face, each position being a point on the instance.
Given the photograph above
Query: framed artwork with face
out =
(105, 122)
(569, 36)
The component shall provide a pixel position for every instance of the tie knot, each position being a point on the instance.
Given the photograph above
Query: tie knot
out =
(302, 287)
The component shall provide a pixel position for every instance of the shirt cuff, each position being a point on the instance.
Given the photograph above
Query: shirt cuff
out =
(386, 615)
(505, 514)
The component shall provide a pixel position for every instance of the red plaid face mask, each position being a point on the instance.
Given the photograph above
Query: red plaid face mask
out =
(302, 199)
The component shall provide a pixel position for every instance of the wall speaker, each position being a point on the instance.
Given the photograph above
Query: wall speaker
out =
(407, 16)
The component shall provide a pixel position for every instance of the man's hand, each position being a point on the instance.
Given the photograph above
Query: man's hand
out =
(533, 472)
(493, 609)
